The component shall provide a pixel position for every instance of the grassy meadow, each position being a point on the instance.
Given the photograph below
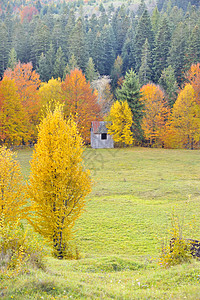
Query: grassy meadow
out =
(119, 235)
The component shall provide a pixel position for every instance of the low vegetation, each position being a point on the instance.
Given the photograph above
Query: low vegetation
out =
(120, 235)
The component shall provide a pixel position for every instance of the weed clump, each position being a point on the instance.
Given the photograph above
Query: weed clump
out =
(177, 250)
(19, 249)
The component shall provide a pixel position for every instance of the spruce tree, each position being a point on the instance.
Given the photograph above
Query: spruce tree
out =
(59, 65)
(177, 53)
(145, 73)
(161, 50)
(78, 44)
(90, 72)
(168, 82)
(130, 91)
(143, 31)
(4, 48)
(12, 61)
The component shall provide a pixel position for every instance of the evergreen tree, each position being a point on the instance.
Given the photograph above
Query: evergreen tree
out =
(12, 61)
(72, 64)
(41, 41)
(145, 73)
(4, 48)
(78, 45)
(141, 8)
(116, 73)
(90, 72)
(177, 53)
(128, 51)
(161, 50)
(59, 63)
(130, 91)
(50, 60)
(42, 68)
(143, 31)
(120, 26)
(155, 19)
(193, 47)
(58, 36)
(21, 42)
(168, 82)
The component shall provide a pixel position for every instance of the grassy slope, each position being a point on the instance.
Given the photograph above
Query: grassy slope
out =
(119, 233)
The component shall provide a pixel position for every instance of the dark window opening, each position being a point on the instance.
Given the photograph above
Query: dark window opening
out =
(104, 136)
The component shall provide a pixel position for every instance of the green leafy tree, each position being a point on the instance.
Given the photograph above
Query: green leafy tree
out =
(58, 181)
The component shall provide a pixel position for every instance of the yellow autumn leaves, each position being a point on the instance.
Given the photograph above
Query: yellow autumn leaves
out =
(58, 182)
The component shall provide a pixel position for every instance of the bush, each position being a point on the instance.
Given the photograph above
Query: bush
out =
(19, 249)
(177, 250)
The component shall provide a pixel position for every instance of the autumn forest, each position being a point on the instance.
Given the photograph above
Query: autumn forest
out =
(87, 55)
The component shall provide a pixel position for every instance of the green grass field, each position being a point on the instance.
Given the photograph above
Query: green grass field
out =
(119, 235)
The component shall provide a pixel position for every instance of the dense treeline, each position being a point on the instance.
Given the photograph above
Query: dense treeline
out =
(143, 55)
(147, 41)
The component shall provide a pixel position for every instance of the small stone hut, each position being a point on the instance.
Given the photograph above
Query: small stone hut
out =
(99, 136)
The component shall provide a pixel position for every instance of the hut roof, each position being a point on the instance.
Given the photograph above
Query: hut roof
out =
(99, 127)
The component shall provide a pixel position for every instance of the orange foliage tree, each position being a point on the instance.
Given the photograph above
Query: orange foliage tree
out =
(12, 115)
(28, 12)
(156, 113)
(28, 83)
(193, 76)
(80, 101)
(183, 128)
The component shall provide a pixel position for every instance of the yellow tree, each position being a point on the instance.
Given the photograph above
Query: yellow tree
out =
(183, 129)
(156, 113)
(51, 93)
(119, 124)
(13, 206)
(12, 115)
(58, 180)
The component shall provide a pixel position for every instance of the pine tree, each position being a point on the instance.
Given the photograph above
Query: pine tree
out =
(128, 51)
(155, 19)
(42, 68)
(145, 73)
(168, 82)
(12, 61)
(177, 53)
(58, 181)
(72, 64)
(193, 47)
(143, 31)
(59, 65)
(4, 48)
(78, 45)
(161, 50)
(130, 91)
(141, 8)
(90, 72)
(116, 73)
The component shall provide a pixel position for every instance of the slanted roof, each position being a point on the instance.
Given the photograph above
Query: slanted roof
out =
(99, 127)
